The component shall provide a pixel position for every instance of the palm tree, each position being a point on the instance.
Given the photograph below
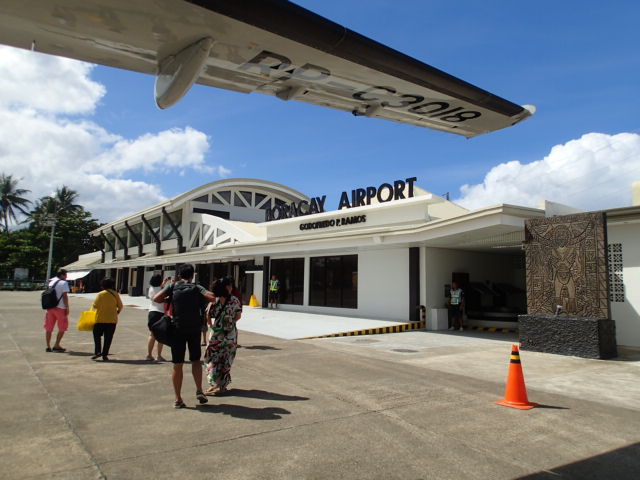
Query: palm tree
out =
(57, 205)
(52, 209)
(11, 199)
(64, 199)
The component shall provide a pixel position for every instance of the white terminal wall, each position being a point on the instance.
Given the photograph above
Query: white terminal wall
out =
(442, 262)
(383, 284)
(397, 213)
(627, 314)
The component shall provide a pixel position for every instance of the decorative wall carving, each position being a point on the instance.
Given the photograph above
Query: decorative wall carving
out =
(566, 261)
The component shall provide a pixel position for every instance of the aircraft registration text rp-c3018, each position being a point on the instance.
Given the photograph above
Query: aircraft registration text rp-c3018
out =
(273, 47)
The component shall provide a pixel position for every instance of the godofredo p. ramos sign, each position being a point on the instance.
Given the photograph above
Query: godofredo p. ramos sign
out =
(357, 197)
(334, 222)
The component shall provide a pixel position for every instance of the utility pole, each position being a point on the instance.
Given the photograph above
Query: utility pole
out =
(50, 221)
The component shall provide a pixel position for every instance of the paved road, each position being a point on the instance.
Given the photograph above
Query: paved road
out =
(415, 405)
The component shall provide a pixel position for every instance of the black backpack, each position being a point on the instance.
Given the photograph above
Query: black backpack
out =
(187, 303)
(49, 298)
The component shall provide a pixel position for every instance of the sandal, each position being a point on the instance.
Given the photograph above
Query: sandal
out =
(179, 404)
(59, 349)
(211, 390)
(201, 397)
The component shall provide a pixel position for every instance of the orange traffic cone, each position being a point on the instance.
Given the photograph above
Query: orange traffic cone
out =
(515, 394)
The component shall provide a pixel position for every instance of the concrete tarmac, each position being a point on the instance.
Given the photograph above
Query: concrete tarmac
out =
(414, 405)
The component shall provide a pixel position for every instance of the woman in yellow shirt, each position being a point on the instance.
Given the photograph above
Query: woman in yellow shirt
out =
(107, 306)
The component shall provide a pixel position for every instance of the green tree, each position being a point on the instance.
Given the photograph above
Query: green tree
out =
(72, 237)
(11, 199)
(29, 247)
(59, 205)
(24, 248)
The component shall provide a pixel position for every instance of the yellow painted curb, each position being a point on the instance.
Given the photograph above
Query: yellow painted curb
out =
(494, 329)
(374, 331)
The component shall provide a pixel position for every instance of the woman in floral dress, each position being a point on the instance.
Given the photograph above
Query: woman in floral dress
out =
(223, 339)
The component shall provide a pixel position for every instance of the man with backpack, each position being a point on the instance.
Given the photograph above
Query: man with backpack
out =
(187, 301)
(56, 303)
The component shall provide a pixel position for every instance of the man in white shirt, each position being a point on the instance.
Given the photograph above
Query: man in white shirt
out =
(58, 314)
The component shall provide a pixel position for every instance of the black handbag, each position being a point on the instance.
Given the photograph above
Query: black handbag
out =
(164, 330)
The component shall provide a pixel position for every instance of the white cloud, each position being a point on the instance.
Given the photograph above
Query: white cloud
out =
(46, 83)
(165, 151)
(110, 194)
(47, 148)
(222, 171)
(593, 172)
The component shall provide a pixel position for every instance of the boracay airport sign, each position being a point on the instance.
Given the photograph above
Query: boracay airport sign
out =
(358, 197)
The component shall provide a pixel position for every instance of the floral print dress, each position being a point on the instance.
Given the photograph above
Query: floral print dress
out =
(223, 342)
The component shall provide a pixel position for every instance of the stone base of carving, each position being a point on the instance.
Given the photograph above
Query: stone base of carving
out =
(565, 335)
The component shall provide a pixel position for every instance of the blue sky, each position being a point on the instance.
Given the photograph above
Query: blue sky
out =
(577, 62)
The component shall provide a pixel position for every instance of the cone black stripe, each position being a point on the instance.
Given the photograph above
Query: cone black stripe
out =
(515, 356)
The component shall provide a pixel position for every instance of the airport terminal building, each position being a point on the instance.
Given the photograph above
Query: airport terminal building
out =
(377, 252)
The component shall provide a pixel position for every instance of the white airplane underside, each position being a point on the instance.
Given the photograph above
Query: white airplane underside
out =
(267, 46)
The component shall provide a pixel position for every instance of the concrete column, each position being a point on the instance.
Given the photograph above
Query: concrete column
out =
(307, 283)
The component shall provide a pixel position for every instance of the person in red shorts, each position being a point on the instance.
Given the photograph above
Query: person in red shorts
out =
(59, 314)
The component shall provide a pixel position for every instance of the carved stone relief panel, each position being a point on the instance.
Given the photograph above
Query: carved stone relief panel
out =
(566, 262)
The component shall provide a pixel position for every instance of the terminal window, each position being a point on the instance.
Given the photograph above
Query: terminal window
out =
(334, 281)
(154, 223)
(290, 273)
(167, 230)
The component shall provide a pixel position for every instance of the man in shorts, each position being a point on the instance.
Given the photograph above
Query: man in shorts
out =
(58, 314)
(274, 290)
(455, 301)
(187, 301)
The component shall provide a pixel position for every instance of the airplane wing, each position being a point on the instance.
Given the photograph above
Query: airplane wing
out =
(268, 46)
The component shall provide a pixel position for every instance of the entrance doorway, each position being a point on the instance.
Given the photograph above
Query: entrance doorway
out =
(236, 270)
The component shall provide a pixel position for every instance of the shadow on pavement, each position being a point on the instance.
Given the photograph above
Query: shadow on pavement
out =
(552, 407)
(261, 394)
(259, 347)
(113, 360)
(620, 464)
(130, 362)
(626, 354)
(249, 413)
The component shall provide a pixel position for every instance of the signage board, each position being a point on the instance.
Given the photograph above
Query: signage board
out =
(358, 197)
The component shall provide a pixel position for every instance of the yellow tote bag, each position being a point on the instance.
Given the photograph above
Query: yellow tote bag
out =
(87, 321)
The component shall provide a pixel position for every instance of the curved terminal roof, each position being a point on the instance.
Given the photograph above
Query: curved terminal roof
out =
(251, 184)
(252, 193)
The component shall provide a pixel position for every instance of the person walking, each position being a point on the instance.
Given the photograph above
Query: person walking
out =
(274, 289)
(223, 340)
(59, 314)
(455, 301)
(156, 311)
(107, 305)
(187, 301)
(208, 311)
